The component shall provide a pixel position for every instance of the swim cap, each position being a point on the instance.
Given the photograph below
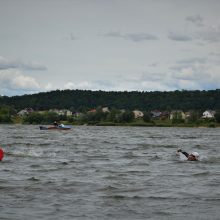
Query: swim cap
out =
(195, 154)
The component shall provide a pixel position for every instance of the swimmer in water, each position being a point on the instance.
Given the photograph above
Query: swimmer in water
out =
(194, 156)
(55, 124)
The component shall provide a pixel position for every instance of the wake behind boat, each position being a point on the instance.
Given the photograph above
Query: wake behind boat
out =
(59, 127)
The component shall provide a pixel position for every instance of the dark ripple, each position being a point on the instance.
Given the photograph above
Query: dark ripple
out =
(33, 178)
(206, 173)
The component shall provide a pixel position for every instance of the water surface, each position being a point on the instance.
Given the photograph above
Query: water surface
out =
(108, 173)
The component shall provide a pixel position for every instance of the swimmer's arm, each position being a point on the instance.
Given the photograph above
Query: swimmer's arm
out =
(183, 152)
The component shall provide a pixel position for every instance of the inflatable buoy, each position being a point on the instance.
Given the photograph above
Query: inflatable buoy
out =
(1, 154)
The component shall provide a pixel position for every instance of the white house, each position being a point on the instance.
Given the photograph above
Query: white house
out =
(156, 113)
(25, 111)
(208, 114)
(138, 114)
(105, 109)
(61, 112)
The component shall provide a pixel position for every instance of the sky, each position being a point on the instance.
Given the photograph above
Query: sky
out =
(109, 45)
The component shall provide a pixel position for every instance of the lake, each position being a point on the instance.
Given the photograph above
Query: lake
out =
(94, 172)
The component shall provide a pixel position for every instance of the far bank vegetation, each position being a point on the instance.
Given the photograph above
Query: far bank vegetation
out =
(178, 108)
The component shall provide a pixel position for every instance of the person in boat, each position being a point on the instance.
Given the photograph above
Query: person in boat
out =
(194, 156)
(55, 124)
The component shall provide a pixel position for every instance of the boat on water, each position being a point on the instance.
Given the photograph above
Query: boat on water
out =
(59, 127)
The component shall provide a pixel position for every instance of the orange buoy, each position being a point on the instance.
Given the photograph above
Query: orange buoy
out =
(1, 154)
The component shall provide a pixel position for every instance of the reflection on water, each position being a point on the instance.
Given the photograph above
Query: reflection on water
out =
(109, 173)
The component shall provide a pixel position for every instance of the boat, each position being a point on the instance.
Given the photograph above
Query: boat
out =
(59, 127)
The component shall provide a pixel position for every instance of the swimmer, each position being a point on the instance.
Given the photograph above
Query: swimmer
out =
(194, 156)
(55, 124)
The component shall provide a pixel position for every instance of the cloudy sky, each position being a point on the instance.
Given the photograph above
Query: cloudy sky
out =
(111, 45)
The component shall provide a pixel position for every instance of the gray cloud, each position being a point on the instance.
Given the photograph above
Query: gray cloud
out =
(136, 37)
(18, 64)
(154, 77)
(196, 19)
(190, 74)
(74, 51)
(70, 37)
(206, 32)
(215, 54)
(140, 37)
(210, 34)
(179, 37)
(190, 62)
(116, 34)
(148, 81)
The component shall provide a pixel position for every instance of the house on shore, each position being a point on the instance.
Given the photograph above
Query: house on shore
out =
(177, 114)
(138, 114)
(62, 112)
(208, 114)
(25, 111)
(156, 114)
(105, 109)
(92, 111)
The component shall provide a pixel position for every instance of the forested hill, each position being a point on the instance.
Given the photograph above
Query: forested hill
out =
(85, 99)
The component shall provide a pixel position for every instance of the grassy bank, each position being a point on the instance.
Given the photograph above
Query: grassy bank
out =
(153, 123)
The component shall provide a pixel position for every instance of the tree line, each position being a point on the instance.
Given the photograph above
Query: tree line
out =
(83, 100)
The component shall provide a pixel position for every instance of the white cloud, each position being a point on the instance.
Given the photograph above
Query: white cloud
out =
(91, 85)
(196, 74)
(12, 81)
(78, 85)
(49, 86)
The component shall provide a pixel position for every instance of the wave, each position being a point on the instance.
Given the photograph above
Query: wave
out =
(211, 160)
(205, 173)
(108, 189)
(25, 154)
(33, 178)
(122, 197)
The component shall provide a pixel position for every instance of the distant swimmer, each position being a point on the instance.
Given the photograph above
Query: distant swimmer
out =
(55, 123)
(194, 156)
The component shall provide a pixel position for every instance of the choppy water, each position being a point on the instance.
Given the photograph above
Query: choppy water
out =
(108, 173)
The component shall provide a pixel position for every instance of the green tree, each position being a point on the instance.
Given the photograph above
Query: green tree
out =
(126, 116)
(5, 118)
(217, 116)
(147, 117)
(33, 118)
(6, 113)
(177, 117)
(193, 117)
(50, 117)
(112, 115)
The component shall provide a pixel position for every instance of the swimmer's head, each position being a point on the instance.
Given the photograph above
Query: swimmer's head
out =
(194, 156)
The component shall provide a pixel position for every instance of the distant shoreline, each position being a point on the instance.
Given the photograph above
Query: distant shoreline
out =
(107, 124)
